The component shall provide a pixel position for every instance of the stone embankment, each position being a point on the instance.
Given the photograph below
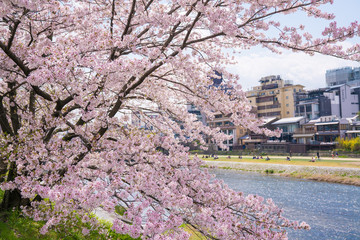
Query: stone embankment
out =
(328, 174)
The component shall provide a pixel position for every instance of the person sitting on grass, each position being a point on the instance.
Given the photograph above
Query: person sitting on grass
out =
(229, 156)
(312, 160)
(240, 157)
(267, 158)
(288, 158)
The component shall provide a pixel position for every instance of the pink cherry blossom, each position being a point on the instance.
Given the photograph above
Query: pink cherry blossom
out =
(73, 72)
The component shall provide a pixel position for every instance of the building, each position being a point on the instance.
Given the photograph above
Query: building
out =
(251, 140)
(195, 110)
(344, 100)
(346, 75)
(306, 133)
(274, 97)
(321, 133)
(340, 100)
(226, 126)
(313, 104)
(144, 119)
(288, 126)
(327, 129)
(353, 130)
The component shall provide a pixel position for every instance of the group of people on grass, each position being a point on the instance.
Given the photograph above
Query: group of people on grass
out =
(261, 157)
(288, 158)
(212, 155)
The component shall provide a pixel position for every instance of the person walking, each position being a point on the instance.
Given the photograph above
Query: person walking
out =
(318, 155)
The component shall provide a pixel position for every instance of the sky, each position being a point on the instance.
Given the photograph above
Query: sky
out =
(303, 69)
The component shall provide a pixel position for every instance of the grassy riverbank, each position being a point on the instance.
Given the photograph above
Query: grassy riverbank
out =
(303, 161)
(15, 226)
(345, 171)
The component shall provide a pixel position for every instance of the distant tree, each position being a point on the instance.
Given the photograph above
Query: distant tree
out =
(352, 144)
(72, 70)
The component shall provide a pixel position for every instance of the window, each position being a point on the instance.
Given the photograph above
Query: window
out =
(287, 104)
(287, 112)
(218, 116)
(287, 97)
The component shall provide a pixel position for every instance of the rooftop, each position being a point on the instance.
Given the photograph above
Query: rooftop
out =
(268, 120)
(288, 120)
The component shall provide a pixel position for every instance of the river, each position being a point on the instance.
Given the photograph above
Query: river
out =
(332, 210)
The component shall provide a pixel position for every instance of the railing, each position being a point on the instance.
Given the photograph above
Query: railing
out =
(303, 131)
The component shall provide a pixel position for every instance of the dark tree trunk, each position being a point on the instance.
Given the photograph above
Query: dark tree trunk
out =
(12, 198)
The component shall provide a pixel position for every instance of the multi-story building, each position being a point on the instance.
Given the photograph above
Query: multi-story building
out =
(196, 110)
(348, 75)
(321, 133)
(306, 133)
(144, 119)
(344, 100)
(251, 140)
(288, 126)
(275, 97)
(313, 104)
(327, 129)
(353, 130)
(226, 126)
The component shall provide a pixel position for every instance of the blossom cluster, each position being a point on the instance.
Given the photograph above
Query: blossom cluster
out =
(73, 71)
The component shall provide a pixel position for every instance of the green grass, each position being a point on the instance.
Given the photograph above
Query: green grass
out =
(294, 161)
(14, 226)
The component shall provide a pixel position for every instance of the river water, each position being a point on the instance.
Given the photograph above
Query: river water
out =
(332, 210)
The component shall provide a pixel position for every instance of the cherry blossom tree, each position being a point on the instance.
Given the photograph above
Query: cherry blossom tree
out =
(73, 70)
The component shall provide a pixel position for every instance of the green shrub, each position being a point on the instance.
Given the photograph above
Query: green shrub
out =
(352, 144)
(269, 171)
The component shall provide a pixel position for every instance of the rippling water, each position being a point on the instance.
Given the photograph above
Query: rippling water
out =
(332, 210)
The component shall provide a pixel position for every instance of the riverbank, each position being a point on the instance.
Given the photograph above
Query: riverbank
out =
(321, 172)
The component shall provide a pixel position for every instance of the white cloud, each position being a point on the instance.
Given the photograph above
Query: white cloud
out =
(299, 67)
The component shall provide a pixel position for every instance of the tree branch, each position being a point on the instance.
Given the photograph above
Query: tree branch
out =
(131, 14)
